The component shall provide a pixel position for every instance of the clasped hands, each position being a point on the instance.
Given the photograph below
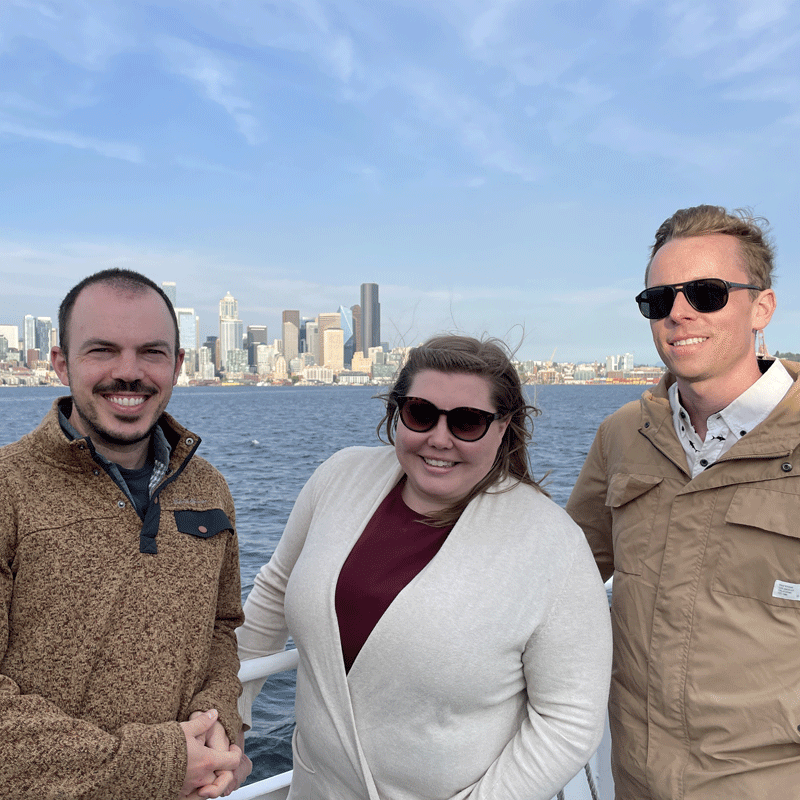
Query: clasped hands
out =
(215, 767)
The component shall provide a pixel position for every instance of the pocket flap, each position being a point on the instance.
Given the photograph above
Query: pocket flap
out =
(765, 509)
(624, 487)
(204, 524)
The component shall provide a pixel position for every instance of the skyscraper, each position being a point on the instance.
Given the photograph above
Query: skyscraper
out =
(256, 335)
(44, 336)
(370, 317)
(291, 335)
(346, 322)
(325, 321)
(170, 290)
(187, 330)
(231, 330)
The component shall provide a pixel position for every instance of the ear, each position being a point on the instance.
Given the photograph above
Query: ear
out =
(58, 358)
(178, 365)
(502, 425)
(763, 309)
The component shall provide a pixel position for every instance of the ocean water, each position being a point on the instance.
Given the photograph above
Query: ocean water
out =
(267, 441)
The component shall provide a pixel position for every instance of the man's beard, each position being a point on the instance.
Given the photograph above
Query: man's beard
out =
(109, 437)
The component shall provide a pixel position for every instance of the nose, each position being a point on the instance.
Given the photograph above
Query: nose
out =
(681, 308)
(127, 366)
(439, 435)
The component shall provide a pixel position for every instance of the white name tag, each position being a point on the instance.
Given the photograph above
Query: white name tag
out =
(786, 591)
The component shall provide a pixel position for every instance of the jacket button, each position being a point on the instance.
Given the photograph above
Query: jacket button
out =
(647, 424)
(121, 503)
(787, 466)
(96, 471)
(189, 440)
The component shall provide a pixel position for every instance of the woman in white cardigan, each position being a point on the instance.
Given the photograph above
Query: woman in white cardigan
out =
(452, 628)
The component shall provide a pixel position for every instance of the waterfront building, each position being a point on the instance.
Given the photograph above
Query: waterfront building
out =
(187, 331)
(361, 363)
(231, 335)
(29, 337)
(205, 364)
(256, 335)
(11, 332)
(44, 337)
(346, 323)
(291, 334)
(317, 374)
(325, 321)
(370, 317)
(333, 347)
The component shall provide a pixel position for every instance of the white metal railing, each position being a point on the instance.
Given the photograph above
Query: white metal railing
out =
(277, 787)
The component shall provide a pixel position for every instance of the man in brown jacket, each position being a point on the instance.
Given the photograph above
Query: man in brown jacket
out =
(119, 573)
(690, 497)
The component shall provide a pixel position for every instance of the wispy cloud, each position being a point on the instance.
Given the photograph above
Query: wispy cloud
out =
(125, 152)
(217, 79)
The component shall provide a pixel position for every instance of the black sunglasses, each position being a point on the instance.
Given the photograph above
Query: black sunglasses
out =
(467, 424)
(704, 295)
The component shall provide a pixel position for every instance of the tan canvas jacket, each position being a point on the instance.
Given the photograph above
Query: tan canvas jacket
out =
(104, 648)
(705, 695)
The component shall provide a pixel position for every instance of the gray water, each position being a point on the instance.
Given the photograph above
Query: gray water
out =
(267, 442)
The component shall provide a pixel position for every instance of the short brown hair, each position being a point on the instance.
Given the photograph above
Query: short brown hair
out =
(488, 358)
(125, 280)
(758, 252)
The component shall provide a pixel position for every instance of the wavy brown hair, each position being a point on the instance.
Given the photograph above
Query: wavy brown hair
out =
(490, 359)
(757, 250)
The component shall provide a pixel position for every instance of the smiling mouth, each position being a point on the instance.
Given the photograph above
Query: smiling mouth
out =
(685, 342)
(435, 462)
(129, 402)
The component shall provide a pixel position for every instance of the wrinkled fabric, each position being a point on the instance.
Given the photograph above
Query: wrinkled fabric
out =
(103, 648)
(705, 693)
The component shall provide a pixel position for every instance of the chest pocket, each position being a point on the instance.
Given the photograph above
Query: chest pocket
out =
(633, 500)
(761, 545)
(204, 524)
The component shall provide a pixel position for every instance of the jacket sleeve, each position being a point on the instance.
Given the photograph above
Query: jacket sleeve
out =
(46, 753)
(221, 689)
(587, 506)
(264, 631)
(567, 666)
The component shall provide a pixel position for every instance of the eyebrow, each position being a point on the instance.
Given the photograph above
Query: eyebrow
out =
(108, 343)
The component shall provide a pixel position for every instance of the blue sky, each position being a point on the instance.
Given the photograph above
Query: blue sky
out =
(495, 166)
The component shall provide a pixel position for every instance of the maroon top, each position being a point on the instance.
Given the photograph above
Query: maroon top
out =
(394, 547)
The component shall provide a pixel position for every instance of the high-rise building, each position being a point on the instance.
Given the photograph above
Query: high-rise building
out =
(231, 335)
(188, 333)
(28, 335)
(312, 341)
(346, 317)
(325, 321)
(356, 312)
(44, 337)
(291, 335)
(370, 317)
(11, 332)
(171, 291)
(256, 335)
(333, 348)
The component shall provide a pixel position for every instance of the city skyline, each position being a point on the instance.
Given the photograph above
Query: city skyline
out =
(497, 167)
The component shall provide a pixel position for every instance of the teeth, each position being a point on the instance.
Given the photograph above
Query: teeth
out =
(684, 342)
(127, 401)
(436, 463)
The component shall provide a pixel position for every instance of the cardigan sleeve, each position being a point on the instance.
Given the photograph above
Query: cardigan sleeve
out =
(264, 631)
(567, 667)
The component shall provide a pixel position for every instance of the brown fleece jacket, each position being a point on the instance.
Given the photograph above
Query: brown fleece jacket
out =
(105, 648)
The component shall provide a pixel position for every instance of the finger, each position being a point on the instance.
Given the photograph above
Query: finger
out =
(224, 780)
(199, 725)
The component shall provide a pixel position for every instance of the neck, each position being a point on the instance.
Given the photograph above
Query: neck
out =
(702, 399)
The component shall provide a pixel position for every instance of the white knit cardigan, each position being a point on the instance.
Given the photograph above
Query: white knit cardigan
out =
(486, 678)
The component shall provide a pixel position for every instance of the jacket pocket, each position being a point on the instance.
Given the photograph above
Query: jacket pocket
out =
(760, 552)
(204, 524)
(299, 760)
(633, 500)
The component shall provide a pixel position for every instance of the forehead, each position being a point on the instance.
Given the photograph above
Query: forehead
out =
(713, 256)
(451, 389)
(118, 315)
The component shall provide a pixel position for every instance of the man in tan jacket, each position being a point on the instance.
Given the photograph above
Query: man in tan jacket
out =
(119, 573)
(690, 497)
